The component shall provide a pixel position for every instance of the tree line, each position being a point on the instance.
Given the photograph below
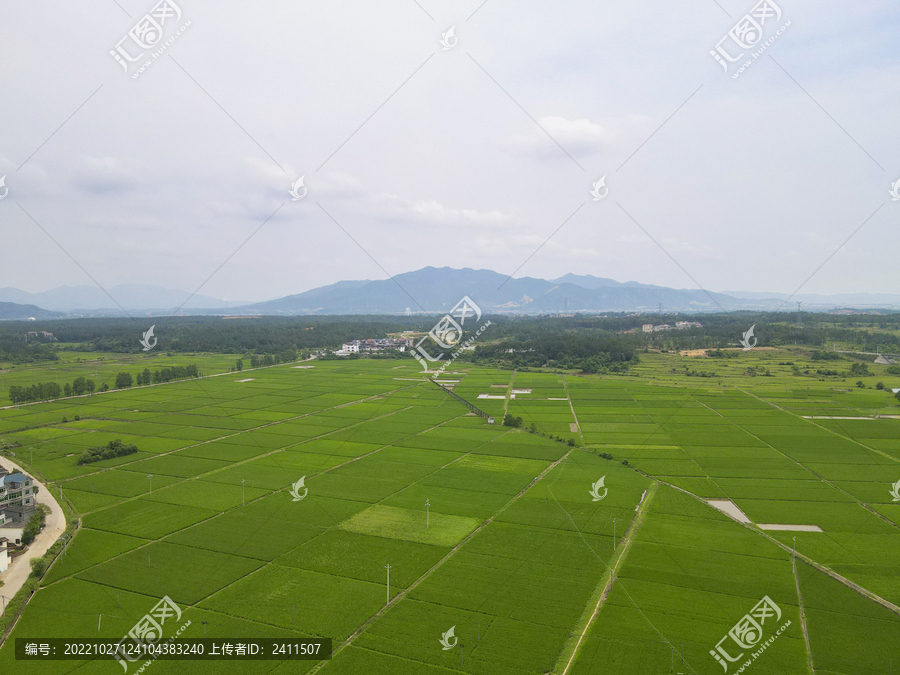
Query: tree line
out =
(47, 391)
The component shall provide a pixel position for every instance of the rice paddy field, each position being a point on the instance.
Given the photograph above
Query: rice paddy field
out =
(536, 564)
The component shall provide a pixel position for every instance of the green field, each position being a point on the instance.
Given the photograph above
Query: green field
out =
(517, 553)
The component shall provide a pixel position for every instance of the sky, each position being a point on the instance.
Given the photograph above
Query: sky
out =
(482, 154)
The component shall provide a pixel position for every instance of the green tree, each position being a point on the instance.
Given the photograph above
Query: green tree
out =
(123, 380)
(79, 386)
(239, 365)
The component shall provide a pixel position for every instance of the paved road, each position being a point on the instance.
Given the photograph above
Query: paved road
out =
(20, 568)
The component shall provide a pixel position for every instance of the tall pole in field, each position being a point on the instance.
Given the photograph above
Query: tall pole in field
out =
(388, 568)
(243, 501)
(150, 478)
(614, 534)
(672, 666)
(427, 504)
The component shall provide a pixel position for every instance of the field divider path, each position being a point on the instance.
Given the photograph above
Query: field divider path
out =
(238, 433)
(572, 408)
(805, 468)
(250, 459)
(135, 387)
(402, 594)
(606, 583)
(326, 530)
(662, 430)
(809, 658)
(787, 549)
(509, 388)
(815, 424)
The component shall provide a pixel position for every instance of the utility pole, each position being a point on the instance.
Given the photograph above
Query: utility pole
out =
(243, 501)
(388, 568)
(614, 534)
(204, 627)
(150, 478)
(461, 647)
(427, 504)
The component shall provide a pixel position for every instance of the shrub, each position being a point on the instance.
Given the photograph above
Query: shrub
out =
(65, 419)
(510, 421)
(572, 442)
(38, 567)
(879, 386)
(112, 449)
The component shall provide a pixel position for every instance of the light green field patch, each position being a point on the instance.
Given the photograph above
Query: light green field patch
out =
(409, 525)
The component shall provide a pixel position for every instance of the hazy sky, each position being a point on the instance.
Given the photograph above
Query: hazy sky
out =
(427, 156)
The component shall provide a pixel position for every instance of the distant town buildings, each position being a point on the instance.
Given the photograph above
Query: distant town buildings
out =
(374, 345)
(17, 503)
(679, 325)
(4, 553)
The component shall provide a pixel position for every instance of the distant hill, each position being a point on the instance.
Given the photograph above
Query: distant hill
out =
(129, 296)
(12, 310)
(435, 290)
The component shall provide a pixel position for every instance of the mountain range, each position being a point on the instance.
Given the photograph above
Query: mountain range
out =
(430, 290)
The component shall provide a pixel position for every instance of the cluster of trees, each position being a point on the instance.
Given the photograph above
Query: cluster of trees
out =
(163, 375)
(257, 360)
(258, 335)
(111, 450)
(14, 350)
(43, 391)
(35, 523)
(517, 422)
(591, 353)
(46, 391)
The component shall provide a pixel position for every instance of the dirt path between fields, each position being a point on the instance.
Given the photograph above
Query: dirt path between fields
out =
(809, 658)
(610, 577)
(577, 429)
